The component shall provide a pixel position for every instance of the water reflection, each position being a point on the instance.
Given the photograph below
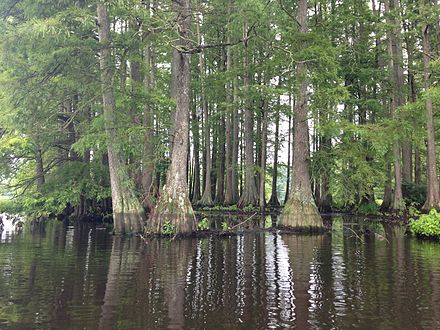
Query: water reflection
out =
(82, 277)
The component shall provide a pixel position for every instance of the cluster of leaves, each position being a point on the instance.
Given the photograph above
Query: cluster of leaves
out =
(427, 225)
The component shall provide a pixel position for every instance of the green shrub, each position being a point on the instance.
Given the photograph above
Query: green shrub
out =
(168, 228)
(414, 194)
(368, 208)
(9, 206)
(203, 224)
(427, 225)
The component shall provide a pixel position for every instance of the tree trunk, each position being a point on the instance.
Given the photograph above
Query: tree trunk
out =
(174, 207)
(196, 151)
(274, 202)
(395, 64)
(262, 190)
(220, 183)
(148, 160)
(300, 211)
(432, 189)
(128, 214)
(249, 196)
(289, 152)
(229, 117)
(235, 144)
(206, 199)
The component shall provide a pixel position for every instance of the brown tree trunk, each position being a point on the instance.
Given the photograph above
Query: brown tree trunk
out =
(300, 210)
(274, 202)
(289, 152)
(221, 158)
(235, 144)
(174, 207)
(128, 214)
(148, 159)
(229, 117)
(432, 189)
(396, 65)
(196, 156)
(249, 196)
(262, 181)
(206, 199)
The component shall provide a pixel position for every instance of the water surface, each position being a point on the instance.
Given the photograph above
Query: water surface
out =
(365, 277)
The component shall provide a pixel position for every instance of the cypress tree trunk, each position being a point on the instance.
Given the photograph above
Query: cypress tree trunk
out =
(229, 134)
(221, 158)
(289, 152)
(432, 189)
(262, 190)
(300, 211)
(128, 214)
(196, 156)
(206, 199)
(395, 64)
(235, 144)
(174, 207)
(274, 202)
(249, 195)
(148, 158)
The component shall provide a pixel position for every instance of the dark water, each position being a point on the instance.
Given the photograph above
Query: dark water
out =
(83, 278)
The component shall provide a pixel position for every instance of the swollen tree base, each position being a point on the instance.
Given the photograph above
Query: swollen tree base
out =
(301, 214)
(173, 214)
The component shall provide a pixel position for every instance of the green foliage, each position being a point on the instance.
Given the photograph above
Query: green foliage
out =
(225, 226)
(9, 206)
(368, 208)
(414, 195)
(203, 224)
(168, 228)
(427, 225)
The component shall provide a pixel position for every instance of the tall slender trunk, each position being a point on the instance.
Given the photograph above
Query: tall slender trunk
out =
(262, 181)
(289, 149)
(174, 207)
(250, 194)
(128, 214)
(300, 210)
(235, 143)
(395, 65)
(229, 118)
(206, 199)
(196, 156)
(274, 202)
(432, 189)
(221, 158)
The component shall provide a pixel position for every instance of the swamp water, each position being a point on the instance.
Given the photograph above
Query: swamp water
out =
(360, 275)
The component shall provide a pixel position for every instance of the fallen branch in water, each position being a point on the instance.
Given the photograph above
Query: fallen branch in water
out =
(244, 221)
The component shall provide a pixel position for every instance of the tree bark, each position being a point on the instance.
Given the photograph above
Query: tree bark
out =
(174, 207)
(262, 190)
(395, 64)
(128, 214)
(206, 199)
(249, 196)
(274, 202)
(300, 211)
(148, 159)
(432, 189)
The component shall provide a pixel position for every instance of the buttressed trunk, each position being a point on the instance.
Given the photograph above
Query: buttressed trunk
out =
(300, 211)
(174, 208)
(128, 214)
